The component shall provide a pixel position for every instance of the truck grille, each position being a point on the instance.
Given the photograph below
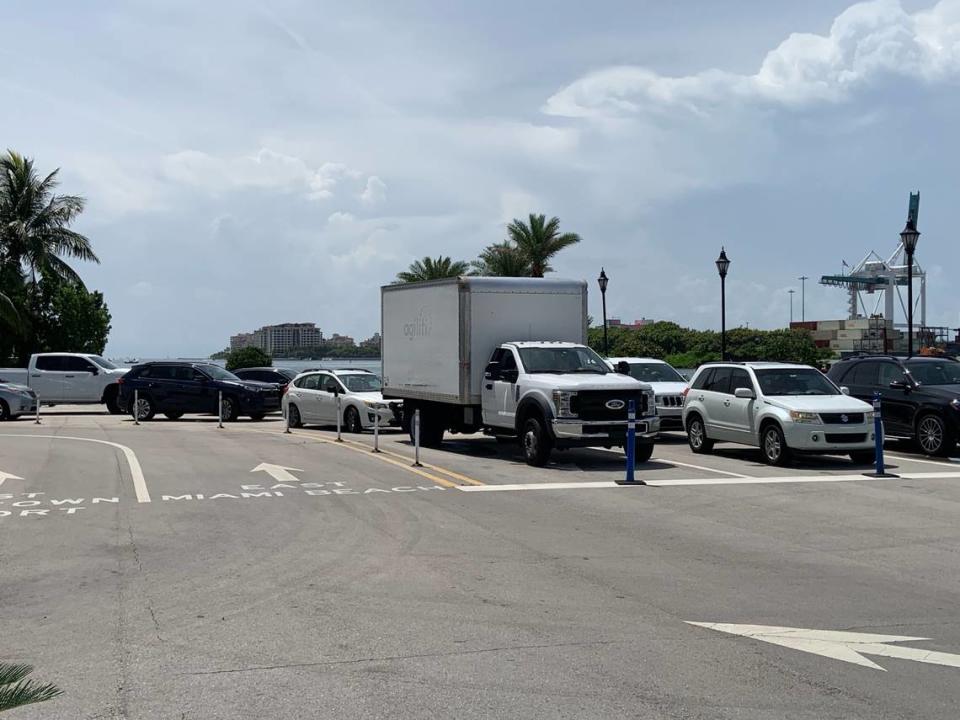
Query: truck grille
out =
(838, 418)
(592, 404)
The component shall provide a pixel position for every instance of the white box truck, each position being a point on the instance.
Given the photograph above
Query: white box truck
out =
(507, 356)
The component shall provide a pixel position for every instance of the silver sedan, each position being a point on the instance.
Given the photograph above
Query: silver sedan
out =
(16, 400)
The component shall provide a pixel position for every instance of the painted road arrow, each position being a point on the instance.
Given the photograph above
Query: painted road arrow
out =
(8, 476)
(847, 646)
(278, 472)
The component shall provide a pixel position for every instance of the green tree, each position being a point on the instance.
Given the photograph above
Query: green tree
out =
(502, 260)
(9, 316)
(16, 691)
(539, 240)
(248, 357)
(429, 268)
(71, 319)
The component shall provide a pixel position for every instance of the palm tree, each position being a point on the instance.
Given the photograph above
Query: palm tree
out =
(34, 222)
(15, 691)
(433, 269)
(539, 241)
(502, 260)
(8, 312)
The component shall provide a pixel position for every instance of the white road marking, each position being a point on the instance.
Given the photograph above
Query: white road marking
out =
(278, 472)
(706, 481)
(8, 476)
(945, 462)
(701, 467)
(136, 472)
(846, 646)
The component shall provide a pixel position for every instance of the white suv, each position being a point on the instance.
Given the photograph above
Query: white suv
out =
(668, 386)
(311, 398)
(778, 407)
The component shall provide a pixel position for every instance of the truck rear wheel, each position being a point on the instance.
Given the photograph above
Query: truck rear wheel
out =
(535, 442)
(431, 428)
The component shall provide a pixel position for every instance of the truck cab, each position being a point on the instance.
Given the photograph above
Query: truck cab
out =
(561, 395)
(70, 379)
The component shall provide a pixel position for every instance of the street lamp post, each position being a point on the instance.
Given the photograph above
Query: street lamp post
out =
(909, 238)
(791, 305)
(803, 297)
(602, 281)
(723, 265)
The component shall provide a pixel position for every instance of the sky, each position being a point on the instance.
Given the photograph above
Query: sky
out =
(248, 163)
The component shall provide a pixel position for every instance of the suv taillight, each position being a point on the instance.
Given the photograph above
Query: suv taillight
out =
(285, 387)
(120, 381)
(685, 391)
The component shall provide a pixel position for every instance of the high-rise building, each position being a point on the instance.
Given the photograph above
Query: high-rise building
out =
(279, 339)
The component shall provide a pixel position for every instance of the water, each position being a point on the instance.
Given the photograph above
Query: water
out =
(372, 364)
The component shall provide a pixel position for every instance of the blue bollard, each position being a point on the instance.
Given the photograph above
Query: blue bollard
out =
(631, 442)
(878, 434)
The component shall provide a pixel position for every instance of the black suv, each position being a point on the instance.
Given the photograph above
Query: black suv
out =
(920, 397)
(175, 388)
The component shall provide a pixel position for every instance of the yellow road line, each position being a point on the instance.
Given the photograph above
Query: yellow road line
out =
(367, 453)
(451, 473)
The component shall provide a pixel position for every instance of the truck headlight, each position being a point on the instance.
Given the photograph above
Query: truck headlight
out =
(798, 416)
(563, 403)
(651, 402)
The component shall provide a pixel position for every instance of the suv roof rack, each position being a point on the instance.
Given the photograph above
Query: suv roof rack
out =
(364, 370)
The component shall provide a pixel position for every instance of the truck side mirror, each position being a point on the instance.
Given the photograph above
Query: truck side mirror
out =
(492, 371)
(623, 367)
(510, 376)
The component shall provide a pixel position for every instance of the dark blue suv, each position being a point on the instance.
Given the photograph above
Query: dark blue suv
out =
(175, 388)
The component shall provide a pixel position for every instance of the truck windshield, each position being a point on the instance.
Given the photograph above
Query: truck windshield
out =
(655, 372)
(102, 362)
(361, 382)
(577, 359)
(800, 381)
(935, 373)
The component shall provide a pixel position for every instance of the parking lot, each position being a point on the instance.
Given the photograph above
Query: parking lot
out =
(176, 569)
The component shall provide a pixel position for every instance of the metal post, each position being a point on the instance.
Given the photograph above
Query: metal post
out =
(376, 430)
(909, 304)
(880, 470)
(723, 317)
(37, 421)
(219, 408)
(286, 420)
(136, 407)
(339, 438)
(606, 346)
(416, 438)
(791, 306)
(803, 298)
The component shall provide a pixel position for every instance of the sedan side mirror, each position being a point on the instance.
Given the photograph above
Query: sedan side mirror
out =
(745, 394)
(845, 390)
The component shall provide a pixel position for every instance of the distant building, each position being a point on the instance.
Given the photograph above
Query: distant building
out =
(617, 322)
(372, 342)
(337, 339)
(279, 339)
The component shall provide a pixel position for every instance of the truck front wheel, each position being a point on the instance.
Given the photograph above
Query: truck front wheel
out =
(535, 442)
(431, 429)
(642, 452)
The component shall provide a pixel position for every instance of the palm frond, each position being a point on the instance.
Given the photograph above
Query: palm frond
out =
(16, 691)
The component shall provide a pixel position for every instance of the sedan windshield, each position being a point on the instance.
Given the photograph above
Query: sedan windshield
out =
(218, 373)
(561, 360)
(655, 372)
(361, 382)
(935, 373)
(102, 362)
(800, 381)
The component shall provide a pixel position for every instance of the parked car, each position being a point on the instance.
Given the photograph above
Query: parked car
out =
(16, 400)
(668, 386)
(780, 408)
(919, 397)
(311, 399)
(177, 387)
(280, 377)
(70, 379)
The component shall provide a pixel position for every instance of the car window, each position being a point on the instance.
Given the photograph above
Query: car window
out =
(75, 364)
(197, 376)
(330, 384)
(184, 374)
(308, 382)
(702, 379)
(865, 373)
(890, 372)
(497, 355)
(720, 381)
(795, 381)
(740, 379)
(935, 373)
(50, 362)
(362, 382)
(654, 372)
(508, 361)
(143, 372)
(161, 372)
(102, 362)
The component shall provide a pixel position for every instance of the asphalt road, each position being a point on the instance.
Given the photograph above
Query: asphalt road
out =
(352, 585)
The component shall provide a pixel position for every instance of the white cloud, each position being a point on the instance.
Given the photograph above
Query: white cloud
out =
(375, 191)
(866, 42)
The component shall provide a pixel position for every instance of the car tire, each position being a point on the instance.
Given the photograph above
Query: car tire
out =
(143, 409)
(933, 437)
(773, 445)
(351, 421)
(535, 442)
(229, 408)
(112, 400)
(697, 436)
(863, 457)
(173, 415)
(4, 411)
(293, 416)
(642, 452)
(431, 430)
(257, 417)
